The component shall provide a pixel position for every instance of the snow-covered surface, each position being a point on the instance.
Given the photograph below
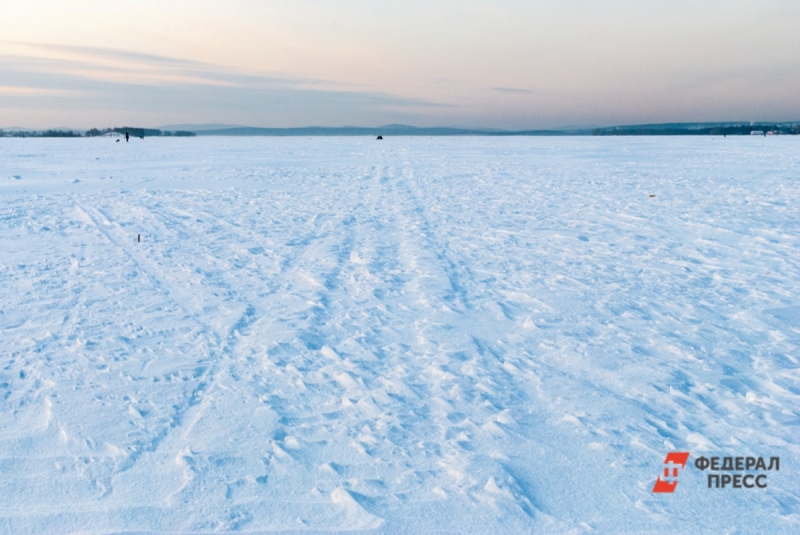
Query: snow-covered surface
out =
(451, 335)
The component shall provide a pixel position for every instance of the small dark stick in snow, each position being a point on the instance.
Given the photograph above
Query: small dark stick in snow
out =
(139, 238)
(651, 196)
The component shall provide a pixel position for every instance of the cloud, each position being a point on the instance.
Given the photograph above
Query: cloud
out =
(123, 67)
(516, 91)
(92, 81)
(21, 91)
(110, 65)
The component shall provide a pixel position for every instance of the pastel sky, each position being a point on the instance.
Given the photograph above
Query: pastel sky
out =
(479, 63)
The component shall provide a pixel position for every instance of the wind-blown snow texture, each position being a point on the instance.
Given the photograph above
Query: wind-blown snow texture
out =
(460, 335)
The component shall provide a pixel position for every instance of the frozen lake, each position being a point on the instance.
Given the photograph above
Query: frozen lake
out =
(417, 335)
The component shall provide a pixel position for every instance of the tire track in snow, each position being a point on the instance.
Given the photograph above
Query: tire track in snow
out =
(427, 292)
(220, 351)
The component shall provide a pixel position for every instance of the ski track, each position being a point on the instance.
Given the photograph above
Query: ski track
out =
(413, 336)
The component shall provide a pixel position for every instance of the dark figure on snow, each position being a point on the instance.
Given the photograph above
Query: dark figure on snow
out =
(127, 137)
(380, 137)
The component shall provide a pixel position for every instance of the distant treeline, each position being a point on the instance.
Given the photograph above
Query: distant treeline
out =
(94, 132)
(138, 132)
(699, 130)
(43, 133)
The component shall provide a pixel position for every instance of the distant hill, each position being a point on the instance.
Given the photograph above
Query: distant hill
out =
(392, 129)
(198, 127)
(666, 129)
(187, 130)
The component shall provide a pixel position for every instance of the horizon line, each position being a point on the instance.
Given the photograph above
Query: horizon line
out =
(208, 127)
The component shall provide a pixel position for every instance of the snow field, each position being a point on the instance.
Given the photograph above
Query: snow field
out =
(461, 335)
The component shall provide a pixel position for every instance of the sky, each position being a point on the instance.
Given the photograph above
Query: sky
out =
(510, 64)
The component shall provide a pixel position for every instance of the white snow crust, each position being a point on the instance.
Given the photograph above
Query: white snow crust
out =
(417, 335)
